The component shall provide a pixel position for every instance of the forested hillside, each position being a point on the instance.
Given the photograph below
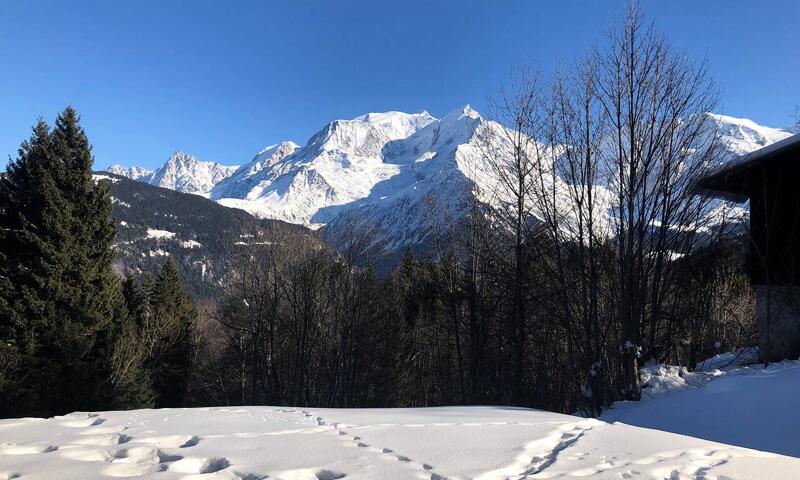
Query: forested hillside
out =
(202, 236)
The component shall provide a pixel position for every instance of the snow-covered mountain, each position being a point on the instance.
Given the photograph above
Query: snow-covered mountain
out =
(740, 135)
(396, 174)
(182, 172)
(437, 169)
(249, 180)
(339, 165)
(134, 173)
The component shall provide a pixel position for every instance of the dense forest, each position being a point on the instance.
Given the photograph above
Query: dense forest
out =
(539, 298)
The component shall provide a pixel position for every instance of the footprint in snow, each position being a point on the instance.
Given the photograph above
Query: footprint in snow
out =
(22, 449)
(199, 465)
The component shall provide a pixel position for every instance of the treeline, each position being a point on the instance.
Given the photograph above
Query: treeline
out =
(298, 326)
(72, 335)
(301, 326)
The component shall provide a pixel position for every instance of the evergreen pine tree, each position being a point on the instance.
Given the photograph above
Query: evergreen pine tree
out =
(133, 385)
(135, 299)
(148, 287)
(96, 289)
(58, 295)
(405, 280)
(173, 318)
(28, 202)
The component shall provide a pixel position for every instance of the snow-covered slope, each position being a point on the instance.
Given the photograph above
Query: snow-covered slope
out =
(438, 168)
(249, 180)
(487, 443)
(746, 405)
(722, 422)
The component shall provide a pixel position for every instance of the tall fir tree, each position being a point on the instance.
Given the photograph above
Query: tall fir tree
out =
(136, 299)
(133, 385)
(172, 321)
(29, 200)
(59, 298)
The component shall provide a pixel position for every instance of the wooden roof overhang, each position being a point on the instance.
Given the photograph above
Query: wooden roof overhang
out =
(732, 181)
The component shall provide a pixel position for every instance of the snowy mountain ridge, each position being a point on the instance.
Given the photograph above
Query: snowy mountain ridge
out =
(396, 174)
(741, 135)
(182, 172)
(134, 173)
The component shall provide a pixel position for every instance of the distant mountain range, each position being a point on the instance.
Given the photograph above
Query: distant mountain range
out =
(396, 174)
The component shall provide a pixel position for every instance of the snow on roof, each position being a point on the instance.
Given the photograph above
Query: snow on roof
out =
(711, 182)
(760, 155)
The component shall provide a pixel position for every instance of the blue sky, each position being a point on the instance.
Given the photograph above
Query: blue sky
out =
(222, 79)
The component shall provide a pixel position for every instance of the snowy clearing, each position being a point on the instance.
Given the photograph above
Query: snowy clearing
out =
(744, 406)
(98, 177)
(431, 443)
(155, 233)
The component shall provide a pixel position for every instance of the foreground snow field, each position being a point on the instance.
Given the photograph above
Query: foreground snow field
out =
(749, 406)
(435, 443)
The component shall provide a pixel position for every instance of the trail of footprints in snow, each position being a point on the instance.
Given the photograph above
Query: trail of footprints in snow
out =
(541, 460)
(390, 454)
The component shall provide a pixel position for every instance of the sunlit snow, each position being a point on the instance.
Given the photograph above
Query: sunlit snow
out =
(487, 443)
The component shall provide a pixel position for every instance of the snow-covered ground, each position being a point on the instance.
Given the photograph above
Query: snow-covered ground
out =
(748, 406)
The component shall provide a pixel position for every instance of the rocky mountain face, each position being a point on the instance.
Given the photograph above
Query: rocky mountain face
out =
(182, 172)
(399, 176)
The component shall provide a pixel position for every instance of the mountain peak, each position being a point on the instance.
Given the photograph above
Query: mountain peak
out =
(183, 172)
(287, 144)
(460, 113)
(396, 125)
(181, 156)
(468, 111)
(134, 173)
